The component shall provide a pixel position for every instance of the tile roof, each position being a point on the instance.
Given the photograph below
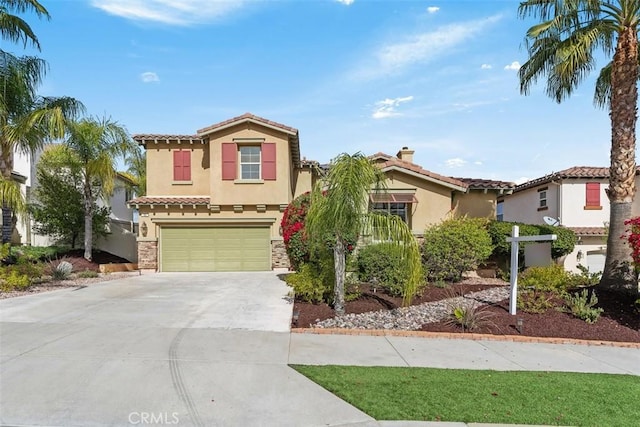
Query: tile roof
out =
(244, 117)
(391, 161)
(593, 172)
(141, 137)
(489, 184)
(169, 200)
(589, 231)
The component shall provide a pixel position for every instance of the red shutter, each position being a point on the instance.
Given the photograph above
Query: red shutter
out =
(229, 156)
(177, 165)
(593, 194)
(186, 165)
(269, 162)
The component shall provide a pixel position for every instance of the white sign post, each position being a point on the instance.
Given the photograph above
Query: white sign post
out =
(515, 240)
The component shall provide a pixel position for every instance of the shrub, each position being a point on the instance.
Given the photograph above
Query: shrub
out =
(62, 271)
(28, 268)
(313, 282)
(295, 239)
(584, 278)
(535, 301)
(87, 274)
(40, 253)
(582, 306)
(500, 230)
(552, 278)
(469, 315)
(453, 247)
(11, 279)
(383, 263)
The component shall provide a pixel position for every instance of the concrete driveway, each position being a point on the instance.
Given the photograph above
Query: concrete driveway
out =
(165, 349)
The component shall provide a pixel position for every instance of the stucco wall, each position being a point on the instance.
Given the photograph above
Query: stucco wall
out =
(250, 193)
(434, 201)
(586, 245)
(523, 205)
(476, 204)
(160, 170)
(304, 182)
(574, 197)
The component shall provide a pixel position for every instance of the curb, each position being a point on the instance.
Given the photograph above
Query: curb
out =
(462, 336)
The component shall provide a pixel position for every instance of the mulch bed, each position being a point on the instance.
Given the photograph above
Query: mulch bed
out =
(76, 258)
(620, 320)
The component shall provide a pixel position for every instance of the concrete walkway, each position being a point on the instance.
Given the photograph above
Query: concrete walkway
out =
(201, 350)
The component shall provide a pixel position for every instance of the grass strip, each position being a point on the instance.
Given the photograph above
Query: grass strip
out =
(482, 396)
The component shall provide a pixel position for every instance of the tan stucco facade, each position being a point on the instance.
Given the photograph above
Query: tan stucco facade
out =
(476, 204)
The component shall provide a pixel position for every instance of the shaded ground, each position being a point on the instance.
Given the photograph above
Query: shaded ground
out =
(620, 320)
(76, 258)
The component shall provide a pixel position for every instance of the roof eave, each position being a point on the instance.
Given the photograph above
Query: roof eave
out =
(462, 189)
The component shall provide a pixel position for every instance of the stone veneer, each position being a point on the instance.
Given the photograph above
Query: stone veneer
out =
(148, 255)
(279, 258)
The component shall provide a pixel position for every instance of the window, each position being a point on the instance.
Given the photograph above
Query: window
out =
(592, 196)
(398, 209)
(500, 211)
(250, 162)
(543, 198)
(182, 165)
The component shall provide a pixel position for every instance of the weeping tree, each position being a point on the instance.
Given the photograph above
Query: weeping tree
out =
(562, 48)
(340, 210)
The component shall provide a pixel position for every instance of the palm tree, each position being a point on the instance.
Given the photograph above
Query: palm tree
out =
(15, 29)
(339, 211)
(94, 145)
(562, 47)
(136, 171)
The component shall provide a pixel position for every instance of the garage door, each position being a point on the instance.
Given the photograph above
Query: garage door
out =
(215, 249)
(595, 261)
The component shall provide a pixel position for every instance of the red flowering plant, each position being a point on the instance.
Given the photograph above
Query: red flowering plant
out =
(295, 238)
(633, 239)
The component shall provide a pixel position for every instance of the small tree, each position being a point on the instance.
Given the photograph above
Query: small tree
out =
(340, 210)
(56, 204)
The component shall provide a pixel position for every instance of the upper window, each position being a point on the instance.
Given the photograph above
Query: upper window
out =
(543, 199)
(250, 162)
(182, 165)
(592, 196)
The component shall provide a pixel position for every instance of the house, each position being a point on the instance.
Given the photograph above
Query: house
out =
(576, 198)
(215, 199)
(422, 197)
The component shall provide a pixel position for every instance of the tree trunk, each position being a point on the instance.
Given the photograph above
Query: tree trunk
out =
(619, 274)
(7, 224)
(6, 167)
(88, 220)
(339, 265)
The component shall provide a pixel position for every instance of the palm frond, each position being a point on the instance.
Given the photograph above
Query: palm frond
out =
(11, 196)
(14, 28)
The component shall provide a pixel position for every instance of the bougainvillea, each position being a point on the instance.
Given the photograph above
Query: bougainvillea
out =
(633, 238)
(295, 239)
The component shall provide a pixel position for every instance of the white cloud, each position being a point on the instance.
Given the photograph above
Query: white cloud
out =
(433, 9)
(172, 12)
(149, 77)
(456, 162)
(486, 67)
(346, 2)
(478, 163)
(387, 107)
(423, 47)
(515, 66)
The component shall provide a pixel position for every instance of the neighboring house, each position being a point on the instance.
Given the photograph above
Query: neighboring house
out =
(422, 197)
(123, 225)
(577, 199)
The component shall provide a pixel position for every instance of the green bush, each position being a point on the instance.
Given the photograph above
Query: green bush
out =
(30, 269)
(552, 278)
(455, 246)
(40, 253)
(313, 282)
(383, 263)
(582, 306)
(535, 301)
(295, 238)
(11, 279)
(500, 230)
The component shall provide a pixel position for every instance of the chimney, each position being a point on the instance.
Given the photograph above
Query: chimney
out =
(405, 154)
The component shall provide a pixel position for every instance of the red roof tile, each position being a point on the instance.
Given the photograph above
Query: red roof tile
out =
(391, 161)
(588, 172)
(151, 200)
(489, 184)
(244, 117)
(141, 137)
(589, 231)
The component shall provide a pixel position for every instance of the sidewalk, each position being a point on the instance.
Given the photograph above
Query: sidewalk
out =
(356, 350)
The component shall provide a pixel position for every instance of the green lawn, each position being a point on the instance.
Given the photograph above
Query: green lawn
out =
(552, 398)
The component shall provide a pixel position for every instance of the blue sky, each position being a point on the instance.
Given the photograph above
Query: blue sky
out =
(351, 75)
